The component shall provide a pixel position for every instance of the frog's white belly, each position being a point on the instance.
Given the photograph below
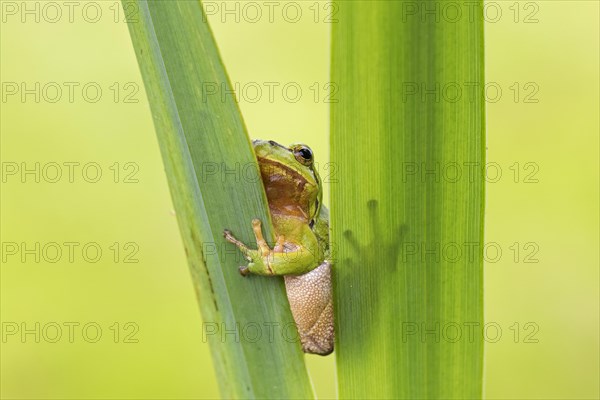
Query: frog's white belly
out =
(310, 296)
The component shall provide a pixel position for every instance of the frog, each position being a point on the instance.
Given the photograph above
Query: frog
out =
(301, 253)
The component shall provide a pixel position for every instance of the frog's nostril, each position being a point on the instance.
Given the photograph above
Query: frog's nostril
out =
(272, 143)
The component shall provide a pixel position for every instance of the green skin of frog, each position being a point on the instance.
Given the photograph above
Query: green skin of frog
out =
(301, 223)
(301, 252)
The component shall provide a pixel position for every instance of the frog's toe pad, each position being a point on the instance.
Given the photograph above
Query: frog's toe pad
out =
(244, 271)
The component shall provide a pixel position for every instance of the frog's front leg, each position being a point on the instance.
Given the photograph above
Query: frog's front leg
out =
(259, 259)
(283, 259)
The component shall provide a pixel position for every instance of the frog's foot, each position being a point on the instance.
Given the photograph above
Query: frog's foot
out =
(243, 248)
(260, 259)
(244, 271)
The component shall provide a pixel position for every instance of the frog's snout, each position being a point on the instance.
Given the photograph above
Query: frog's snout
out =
(263, 147)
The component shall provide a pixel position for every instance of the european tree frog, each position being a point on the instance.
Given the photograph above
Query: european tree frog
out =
(301, 253)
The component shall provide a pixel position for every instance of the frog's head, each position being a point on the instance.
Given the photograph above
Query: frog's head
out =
(290, 178)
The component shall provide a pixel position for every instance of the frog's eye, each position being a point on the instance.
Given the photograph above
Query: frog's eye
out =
(304, 155)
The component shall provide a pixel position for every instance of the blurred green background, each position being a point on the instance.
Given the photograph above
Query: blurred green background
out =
(542, 291)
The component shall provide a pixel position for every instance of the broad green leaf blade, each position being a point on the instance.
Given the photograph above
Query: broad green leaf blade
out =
(214, 183)
(407, 211)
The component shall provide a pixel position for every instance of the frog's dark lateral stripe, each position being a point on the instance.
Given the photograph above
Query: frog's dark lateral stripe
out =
(273, 143)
